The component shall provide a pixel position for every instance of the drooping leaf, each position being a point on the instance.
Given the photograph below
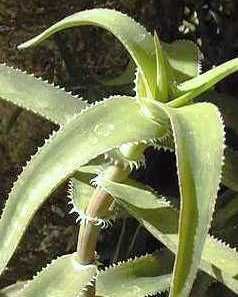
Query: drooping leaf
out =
(199, 143)
(65, 276)
(141, 277)
(38, 96)
(137, 41)
(161, 220)
(93, 132)
(135, 38)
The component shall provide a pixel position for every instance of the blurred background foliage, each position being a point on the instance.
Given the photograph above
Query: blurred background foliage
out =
(80, 59)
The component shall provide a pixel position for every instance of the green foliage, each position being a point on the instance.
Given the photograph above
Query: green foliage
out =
(162, 114)
(65, 276)
(153, 210)
(140, 277)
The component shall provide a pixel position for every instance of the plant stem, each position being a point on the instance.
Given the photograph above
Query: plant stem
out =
(99, 207)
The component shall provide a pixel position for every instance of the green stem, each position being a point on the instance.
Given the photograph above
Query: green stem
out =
(100, 206)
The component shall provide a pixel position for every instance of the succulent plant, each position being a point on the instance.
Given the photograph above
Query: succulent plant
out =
(96, 147)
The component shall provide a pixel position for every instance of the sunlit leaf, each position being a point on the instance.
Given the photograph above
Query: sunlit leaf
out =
(93, 132)
(65, 276)
(141, 277)
(38, 96)
(161, 220)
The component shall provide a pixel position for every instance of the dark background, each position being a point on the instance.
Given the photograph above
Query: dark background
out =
(79, 59)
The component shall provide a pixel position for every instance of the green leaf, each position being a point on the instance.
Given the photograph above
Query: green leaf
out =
(63, 277)
(161, 219)
(142, 276)
(211, 77)
(184, 56)
(38, 96)
(199, 144)
(93, 132)
(183, 63)
(147, 275)
(135, 38)
(200, 84)
(229, 170)
(199, 161)
(161, 77)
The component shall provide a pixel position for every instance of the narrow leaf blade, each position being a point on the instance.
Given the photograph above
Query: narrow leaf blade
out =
(194, 87)
(199, 143)
(38, 96)
(162, 79)
(210, 78)
(135, 38)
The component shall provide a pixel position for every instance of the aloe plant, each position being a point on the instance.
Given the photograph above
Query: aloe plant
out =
(96, 148)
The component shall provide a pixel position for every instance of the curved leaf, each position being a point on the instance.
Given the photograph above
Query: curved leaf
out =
(141, 277)
(99, 129)
(183, 56)
(63, 277)
(135, 38)
(38, 96)
(161, 220)
(199, 144)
